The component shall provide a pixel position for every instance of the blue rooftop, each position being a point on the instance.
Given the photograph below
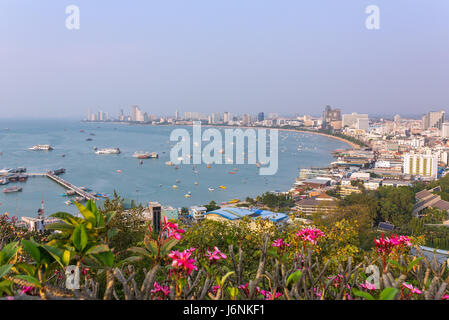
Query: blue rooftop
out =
(232, 213)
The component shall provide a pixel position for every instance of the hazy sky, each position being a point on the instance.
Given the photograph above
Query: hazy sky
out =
(285, 56)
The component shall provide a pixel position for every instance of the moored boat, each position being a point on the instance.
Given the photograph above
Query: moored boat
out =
(12, 189)
(41, 147)
(108, 151)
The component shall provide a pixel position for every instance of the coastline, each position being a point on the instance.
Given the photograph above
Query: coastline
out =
(351, 144)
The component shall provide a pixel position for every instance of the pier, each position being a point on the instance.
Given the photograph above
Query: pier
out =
(65, 184)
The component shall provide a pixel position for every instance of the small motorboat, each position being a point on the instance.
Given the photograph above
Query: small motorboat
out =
(195, 183)
(223, 187)
(187, 195)
(175, 186)
(12, 189)
(211, 189)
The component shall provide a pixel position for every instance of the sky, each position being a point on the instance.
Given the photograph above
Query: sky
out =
(241, 56)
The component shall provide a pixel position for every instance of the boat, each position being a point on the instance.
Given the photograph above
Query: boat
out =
(57, 172)
(223, 187)
(232, 172)
(233, 201)
(4, 181)
(145, 155)
(68, 202)
(175, 186)
(89, 139)
(108, 151)
(80, 199)
(95, 148)
(12, 189)
(211, 189)
(119, 171)
(69, 193)
(41, 147)
(208, 166)
(169, 163)
(195, 183)
(23, 178)
(187, 195)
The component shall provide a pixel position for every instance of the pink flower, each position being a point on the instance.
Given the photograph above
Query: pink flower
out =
(368, 286)
(280, 243)
(181, 260)
(26, 289)
(316, 293)
(411, 288)
(215, 289)
(172, 229)
(445, 297)
(160, 291)
(311, 234)
(216, 255)
(268, 296)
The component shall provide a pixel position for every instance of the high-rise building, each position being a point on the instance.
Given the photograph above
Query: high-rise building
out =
(133, 113)
(330, 115)
(260, 116)
(433, 119)
(226, 117)
(362, 124)
(423, 165)
(445, 130)
(246, 119)
(350, 120)
(177, 115)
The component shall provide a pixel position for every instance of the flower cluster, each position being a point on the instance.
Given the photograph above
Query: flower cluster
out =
(386, 245)
(368, 286)
(182, 261)
(280, 243)
(172, 229)
(310, 235)
(216, 255)
(159, 292)
(268, 296)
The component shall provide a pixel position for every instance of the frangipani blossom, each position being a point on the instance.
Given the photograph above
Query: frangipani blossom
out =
(280, 243)
(368, 286)
(310, 234)
(160, 291)
(181, 260)
(411, 288)
(172, 229)
(216, 255)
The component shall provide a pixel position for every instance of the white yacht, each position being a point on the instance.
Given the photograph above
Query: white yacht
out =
(108, 151)
(41, 147)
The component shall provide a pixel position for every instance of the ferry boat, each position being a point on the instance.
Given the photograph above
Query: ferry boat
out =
(12, 189)
(108, 151)
(145, 155)
(41, 147)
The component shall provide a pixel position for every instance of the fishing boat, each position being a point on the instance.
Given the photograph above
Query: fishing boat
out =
(211, 189)
(41, 147)
(12, 189)
(108, 151)
(145, 155)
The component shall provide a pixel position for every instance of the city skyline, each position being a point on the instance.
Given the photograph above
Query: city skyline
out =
(223, 56)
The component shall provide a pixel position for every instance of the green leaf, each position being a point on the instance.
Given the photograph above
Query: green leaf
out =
(97, 249)
(166, 247)
(140, 251)
(395, 263)
(68, 218)
(129, 260)
(60, 255)
(80, 238)
(87, 214)
(294, 277)
(32, 281)
(151, 245)
(27, 268)
(61, 226)
(4, 269)
(362, 294)
(32, 249)
(112, 233)
(9, 252)
(413, 263)
(388, 293)
(107, 258)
